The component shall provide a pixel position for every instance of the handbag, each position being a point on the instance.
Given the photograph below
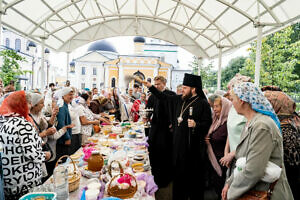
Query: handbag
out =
(259, 195)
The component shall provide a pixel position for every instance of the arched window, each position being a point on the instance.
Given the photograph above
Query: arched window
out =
(140, 75)
(113, 82)
(7, 42)
(18, 45)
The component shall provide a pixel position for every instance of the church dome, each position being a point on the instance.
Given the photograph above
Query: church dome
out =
(102, 45)
(72, 63)
(139, 39)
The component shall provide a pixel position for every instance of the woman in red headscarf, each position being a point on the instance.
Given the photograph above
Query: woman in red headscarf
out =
(22, 147)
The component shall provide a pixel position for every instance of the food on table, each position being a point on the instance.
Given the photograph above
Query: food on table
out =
(97, 128)
(95, 161)
(92, 194)
(138, 169)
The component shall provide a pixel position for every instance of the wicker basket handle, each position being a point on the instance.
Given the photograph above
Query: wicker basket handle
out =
(66, 156)
(123, 174)
(120, 167)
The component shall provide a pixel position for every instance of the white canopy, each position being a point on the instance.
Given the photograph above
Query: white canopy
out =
(199, 26)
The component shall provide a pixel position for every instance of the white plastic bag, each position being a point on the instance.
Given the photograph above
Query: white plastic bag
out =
(272, 171)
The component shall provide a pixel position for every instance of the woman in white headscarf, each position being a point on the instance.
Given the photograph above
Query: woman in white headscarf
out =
(65, 97)
(46, 128)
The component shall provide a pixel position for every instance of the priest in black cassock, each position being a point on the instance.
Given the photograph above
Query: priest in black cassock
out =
(191, 120)
(160, 136)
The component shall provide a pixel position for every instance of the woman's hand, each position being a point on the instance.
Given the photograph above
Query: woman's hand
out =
(68, 142)
(50, 131)
(70, 126)
(96, 122)
(104, 114)
(47, 155)
(226, 160)
(105, 120)
(207, 140)
(55, 110)
(224, 192)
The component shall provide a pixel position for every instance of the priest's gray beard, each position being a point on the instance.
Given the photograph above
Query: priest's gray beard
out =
(187, 96)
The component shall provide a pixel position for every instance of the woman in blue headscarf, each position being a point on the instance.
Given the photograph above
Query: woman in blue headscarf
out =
(260, 144)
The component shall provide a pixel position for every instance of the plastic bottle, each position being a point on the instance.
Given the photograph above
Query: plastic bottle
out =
(61, 184)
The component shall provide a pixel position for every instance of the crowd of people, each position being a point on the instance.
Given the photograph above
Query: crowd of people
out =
(36, 128)
(195, 138)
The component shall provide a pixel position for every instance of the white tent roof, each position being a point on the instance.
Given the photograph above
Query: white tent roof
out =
(199, 26)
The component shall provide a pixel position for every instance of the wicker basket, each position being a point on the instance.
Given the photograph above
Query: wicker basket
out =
(75, 180)
(115, 191)
(110, 166)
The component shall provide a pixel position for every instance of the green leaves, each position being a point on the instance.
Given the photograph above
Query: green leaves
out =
(10, 68)
(279, 56)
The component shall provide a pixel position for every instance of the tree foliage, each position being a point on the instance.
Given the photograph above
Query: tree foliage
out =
(208, 75)
(232, 69)
(280, 55)
(10, 68)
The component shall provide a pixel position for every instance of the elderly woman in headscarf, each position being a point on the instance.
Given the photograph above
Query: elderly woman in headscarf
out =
(65, 97)
(285, 107)
(46, 128)
(216, 140)
(87, 117)
(137, 106)
(260, 145)
(97, 105)
(235, 125)
(22, 155)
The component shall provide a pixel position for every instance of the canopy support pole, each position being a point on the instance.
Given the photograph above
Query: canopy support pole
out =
(32, 73)
(43, 66)
(199, 65)
(219, 68)
(258, 55)
(1, 13)
(68, 59)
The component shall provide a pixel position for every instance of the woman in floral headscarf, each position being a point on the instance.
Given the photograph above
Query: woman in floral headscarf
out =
(285, 108)
(260, 144)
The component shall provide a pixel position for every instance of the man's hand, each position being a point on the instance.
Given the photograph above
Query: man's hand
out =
(147, 84)
(224, 192)
(68, 142)
(191, 123)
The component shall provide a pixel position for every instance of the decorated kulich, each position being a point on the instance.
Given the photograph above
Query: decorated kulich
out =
(95, 161)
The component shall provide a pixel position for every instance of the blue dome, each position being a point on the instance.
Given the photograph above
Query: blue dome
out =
(47, 50)
(102, 45)
(139, 39)
(72, 63)
(31, 44)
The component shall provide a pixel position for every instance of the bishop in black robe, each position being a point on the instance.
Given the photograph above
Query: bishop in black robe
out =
(189, 147)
